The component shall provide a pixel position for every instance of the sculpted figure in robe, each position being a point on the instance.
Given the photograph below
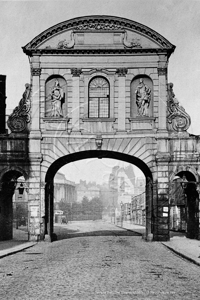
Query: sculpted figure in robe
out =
(143, 98)
(57, 96)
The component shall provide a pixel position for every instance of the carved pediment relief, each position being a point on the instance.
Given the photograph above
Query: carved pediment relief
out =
(98, 32)
(81, 40)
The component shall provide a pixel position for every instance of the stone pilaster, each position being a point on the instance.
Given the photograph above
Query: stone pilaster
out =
(161, 206)
(34, 206)
(121, 98)
(162, 81)
(35, 103)
(75, 98)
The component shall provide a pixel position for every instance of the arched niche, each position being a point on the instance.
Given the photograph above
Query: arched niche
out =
(141, 97)
(56, 97)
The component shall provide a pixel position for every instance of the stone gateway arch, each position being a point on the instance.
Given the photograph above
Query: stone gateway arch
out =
(99, 88)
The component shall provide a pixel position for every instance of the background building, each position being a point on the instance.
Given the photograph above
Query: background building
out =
(64, 190)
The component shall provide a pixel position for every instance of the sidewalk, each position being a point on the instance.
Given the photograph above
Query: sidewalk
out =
(187, 248)
(18, 243)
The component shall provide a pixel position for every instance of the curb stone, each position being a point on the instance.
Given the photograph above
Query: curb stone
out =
(16, 249)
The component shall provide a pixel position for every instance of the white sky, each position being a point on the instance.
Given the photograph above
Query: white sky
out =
(176, 20)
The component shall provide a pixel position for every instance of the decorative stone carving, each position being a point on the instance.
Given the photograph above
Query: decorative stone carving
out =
(177, 118)
(67, 44)
(76, 72)
(121, 71)
(20, 117)
(143, 98)
(134, 43)
(162, 71)
(36, 71)
(98, 25)
(92, 23)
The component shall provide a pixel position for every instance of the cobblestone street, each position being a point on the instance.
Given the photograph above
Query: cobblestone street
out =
(98, 261)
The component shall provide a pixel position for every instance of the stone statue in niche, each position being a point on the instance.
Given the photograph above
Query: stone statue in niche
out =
(57, 99)
(143, 98)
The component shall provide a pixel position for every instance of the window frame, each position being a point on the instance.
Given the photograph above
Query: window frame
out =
(99, 99)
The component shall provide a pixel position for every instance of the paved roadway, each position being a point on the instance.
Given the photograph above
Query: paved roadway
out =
(98, 261)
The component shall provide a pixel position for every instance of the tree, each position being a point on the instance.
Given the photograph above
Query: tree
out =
(65, 207)
(96, 207)
(85, 205)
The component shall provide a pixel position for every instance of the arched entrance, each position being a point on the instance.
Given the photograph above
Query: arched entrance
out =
(13, 212)
(184, 204)
(49, 187)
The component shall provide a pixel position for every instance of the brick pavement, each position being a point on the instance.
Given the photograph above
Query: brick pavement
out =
(109, 264)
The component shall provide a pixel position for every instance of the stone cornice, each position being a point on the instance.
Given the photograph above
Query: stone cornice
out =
(133, 51)
(99, 23)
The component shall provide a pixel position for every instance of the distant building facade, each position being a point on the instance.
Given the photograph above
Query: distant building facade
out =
(64, 190)
(125, 194)
(89, 191)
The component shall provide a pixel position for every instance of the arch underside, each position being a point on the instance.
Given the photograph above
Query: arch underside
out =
(134, 150)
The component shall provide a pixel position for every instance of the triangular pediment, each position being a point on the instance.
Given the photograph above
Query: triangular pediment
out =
(98, 32)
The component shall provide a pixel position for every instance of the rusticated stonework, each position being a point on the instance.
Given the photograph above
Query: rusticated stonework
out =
(19, 119)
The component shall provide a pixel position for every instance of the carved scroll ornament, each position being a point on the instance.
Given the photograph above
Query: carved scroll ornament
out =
(20, 117)
(67, 44)
(134, 43)
(177, 118)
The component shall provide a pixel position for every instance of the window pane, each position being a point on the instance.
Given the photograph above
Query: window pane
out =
(104, 108)
(99, 92)
(93, 105)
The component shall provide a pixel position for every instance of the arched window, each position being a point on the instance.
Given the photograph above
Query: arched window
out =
(99, 98)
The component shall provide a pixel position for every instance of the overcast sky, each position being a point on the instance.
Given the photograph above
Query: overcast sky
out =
(94, 169)
(177, 20)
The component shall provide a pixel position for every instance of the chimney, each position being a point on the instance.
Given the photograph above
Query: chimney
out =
(2, 104)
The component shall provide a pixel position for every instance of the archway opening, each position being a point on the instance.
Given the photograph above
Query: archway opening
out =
(13, 207)
(118, 209)
(184, 206)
